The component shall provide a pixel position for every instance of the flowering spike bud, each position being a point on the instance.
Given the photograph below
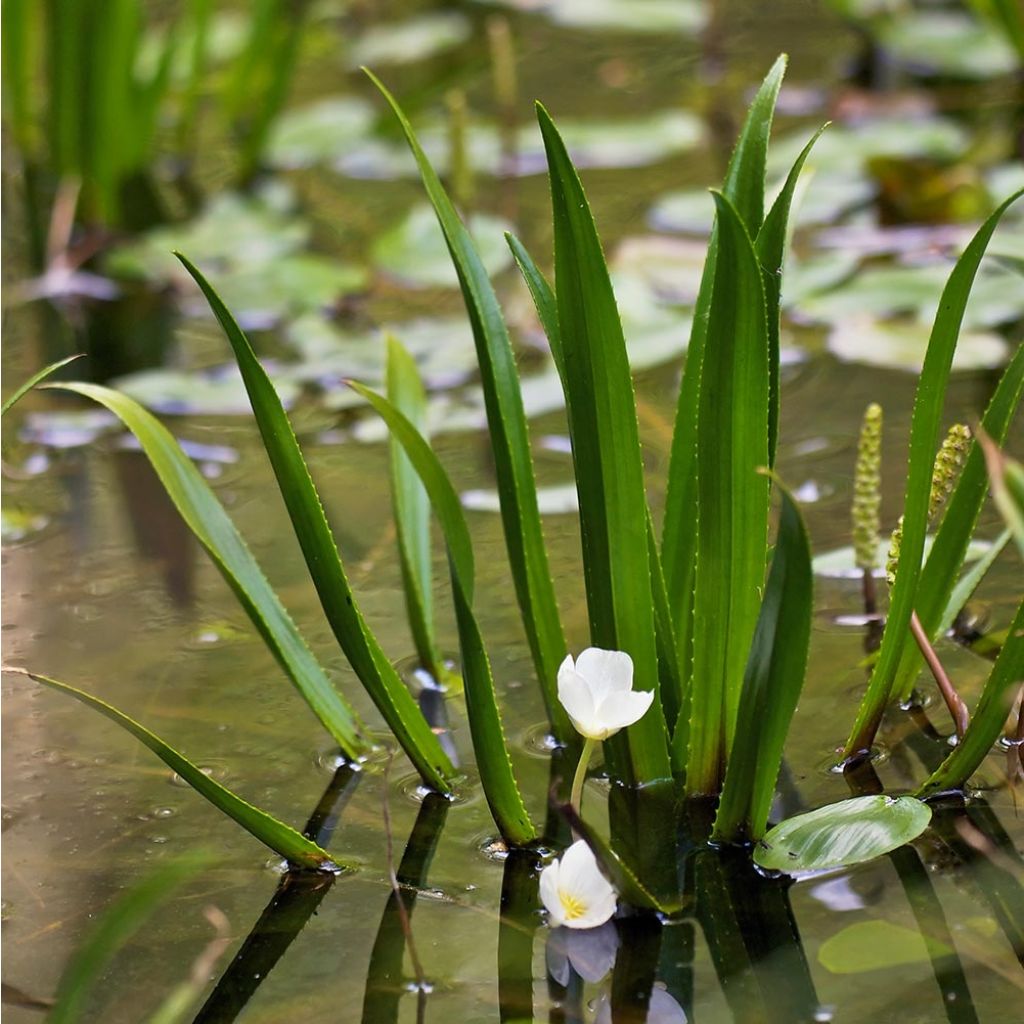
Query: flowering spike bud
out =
(893, 558)
(867, 488)
(948, 463)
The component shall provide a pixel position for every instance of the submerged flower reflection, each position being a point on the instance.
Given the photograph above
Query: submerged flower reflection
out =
(574, 891)
(597, 692)
(663, 1008)
(589, 952)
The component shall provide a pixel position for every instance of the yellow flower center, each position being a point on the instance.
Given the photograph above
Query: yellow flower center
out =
(572, 906)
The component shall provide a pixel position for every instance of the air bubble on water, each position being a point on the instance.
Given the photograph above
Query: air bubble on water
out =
(824, 1013)
(494, 849)
(159, 839)
(165, 812)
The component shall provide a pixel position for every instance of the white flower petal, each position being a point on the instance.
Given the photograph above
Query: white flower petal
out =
(596, 914)
(606, 672)
(578, 862)
(549, 893)
(574, 695)
(621, 709)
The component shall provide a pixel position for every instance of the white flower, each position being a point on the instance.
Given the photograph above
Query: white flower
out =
(597, 692)
(574, 891)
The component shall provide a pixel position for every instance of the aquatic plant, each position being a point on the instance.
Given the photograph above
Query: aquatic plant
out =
(720, 645)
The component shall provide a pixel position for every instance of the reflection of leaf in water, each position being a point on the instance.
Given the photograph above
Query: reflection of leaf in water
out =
(414, 250)
(901, 344)
(405, 42)
(873, 945)
(948, 43)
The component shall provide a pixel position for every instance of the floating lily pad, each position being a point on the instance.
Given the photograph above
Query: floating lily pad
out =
(260, 296)
(414, 250)
(844, 833)
(875, 945)
(618, 15)
(842, 147)
(949, 43)
(558, 500)
(218, 392)
(901, 344)
(405, 42)
(233, 231)
(317, 133)
(841, 563)
(443, 348)
(634, 143)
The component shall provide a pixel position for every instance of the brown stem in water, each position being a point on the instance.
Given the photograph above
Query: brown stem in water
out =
(957, 708)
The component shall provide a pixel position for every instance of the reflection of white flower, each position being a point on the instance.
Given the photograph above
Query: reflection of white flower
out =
(597, 692)
(662, 1009)
(589, 952)
(574, 891)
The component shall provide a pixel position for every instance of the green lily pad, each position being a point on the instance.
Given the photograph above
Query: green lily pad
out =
(842, 147)
(317, 133)
(875, 945)
(414, 250)
(233, 231)
(559, 500)
(618, 15)
(218, 392)
(901, 344)
(950, 43)
(405, 42)
(844, 833)
(841, 563)
(260, 296)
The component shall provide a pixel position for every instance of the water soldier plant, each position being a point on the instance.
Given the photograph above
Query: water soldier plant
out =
(704, 615)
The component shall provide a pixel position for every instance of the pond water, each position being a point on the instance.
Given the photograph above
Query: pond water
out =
(104, 587)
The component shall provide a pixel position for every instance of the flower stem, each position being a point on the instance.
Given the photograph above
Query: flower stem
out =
(579, 778)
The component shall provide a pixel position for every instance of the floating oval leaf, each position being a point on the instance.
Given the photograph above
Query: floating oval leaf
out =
(871, 945)
(848, 832)
(841, 563)
(406, 42)
(319, 132)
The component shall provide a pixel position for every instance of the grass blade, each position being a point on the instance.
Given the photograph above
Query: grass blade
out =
(113, 929)
(924, 439)
(375, 672)
(668, 658)
(36, 378)
(489, 743)
(213, 528)
(281, 838)
(988, 718)
(732, 499)
(946, 557)
(770, 244)
(744, 186)
(510, 441)
(606, 452)
(772, 684)
(411, 508)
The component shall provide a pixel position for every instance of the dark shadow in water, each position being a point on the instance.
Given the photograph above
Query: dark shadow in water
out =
(385, 982)
(294, 902)
(636, 968)
(753, 938)
(519, 921)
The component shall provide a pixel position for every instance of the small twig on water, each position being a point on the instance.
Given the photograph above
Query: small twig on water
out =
(422, 988)
(954, 702)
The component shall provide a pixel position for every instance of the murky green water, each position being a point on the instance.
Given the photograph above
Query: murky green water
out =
(108, 591)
